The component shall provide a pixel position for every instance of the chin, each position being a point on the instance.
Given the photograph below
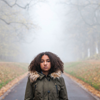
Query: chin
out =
(46, 70)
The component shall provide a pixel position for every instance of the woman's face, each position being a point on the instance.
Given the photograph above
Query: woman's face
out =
(45, 63)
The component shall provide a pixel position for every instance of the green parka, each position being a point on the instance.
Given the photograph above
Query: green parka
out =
(42, 87)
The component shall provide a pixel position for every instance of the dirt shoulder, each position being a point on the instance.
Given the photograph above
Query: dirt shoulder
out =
(11, 84)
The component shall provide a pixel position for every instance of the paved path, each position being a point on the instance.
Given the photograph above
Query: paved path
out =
(75, 92)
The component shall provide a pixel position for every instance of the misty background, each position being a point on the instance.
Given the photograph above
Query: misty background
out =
(68, 28)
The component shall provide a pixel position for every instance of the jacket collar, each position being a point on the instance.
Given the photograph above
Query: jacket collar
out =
(34, 75)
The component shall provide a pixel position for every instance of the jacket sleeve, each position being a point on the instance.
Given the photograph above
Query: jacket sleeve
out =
(63, 92)
(29, 91)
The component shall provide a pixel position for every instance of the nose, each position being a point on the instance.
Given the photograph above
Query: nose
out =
(45, 62)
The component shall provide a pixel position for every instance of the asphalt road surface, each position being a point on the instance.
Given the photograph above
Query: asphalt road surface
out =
(75, 92)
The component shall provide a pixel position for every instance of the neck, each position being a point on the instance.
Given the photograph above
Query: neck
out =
(45, 73)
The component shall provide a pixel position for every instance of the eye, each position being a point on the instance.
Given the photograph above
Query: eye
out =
(48, 60)
(42, 61)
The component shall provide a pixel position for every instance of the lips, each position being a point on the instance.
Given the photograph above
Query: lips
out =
(45, 67)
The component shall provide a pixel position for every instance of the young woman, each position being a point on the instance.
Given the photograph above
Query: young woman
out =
(44, 79)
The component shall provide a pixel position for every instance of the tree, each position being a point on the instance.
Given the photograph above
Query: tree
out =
(83, 26)
(15, 25)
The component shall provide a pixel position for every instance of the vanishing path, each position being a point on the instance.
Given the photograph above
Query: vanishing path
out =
(75, 92)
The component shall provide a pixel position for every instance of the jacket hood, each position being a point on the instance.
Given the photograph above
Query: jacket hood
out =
(34, 75)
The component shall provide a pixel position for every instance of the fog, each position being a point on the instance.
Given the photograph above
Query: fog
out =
(50, 35)
(50, 32)
(67, 28)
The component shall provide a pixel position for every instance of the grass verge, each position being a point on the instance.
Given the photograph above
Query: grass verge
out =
(10, 70)
(87, 71)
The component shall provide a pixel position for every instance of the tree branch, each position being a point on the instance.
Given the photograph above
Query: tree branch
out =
(83, 17)
(24, 7)
(9, 23)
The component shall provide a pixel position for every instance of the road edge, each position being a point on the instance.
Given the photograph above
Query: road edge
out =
(6, 93)
(79, 84)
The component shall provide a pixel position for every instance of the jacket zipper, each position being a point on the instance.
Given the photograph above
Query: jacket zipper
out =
(49, 90)
(43, 90)
(56, 88)
(35, 88)
(48, 94)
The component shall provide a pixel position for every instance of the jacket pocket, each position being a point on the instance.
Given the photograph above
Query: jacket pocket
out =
(55, 92)
(37, 94)
(57, 89)
(54, 96)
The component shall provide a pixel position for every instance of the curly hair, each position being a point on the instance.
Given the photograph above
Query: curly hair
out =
(56, 63)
